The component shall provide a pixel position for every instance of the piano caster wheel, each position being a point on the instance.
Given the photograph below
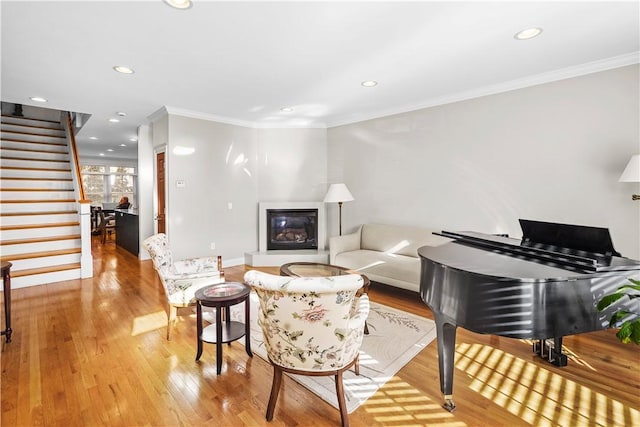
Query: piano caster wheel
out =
(449, 405)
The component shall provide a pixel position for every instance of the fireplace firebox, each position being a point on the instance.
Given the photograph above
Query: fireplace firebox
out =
(291, 229)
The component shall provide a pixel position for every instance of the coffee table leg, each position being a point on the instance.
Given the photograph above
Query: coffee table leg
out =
(199, 329)
(247, 327)
(218, 339)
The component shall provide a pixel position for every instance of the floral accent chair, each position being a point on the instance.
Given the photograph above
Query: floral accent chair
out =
(181, 279)
(311, 326)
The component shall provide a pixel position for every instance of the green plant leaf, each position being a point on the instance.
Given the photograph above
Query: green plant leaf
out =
(607, 300)
(629, 332)
(635, 331)
(617, 317)
(632, 287)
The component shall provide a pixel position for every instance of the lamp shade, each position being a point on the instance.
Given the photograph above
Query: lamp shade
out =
(632, 172)
(338, 193)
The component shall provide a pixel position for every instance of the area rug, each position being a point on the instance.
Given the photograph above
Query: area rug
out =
(395, 337)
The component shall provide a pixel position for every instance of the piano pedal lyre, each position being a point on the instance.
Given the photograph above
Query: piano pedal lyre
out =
(448, 403)
(547, 350)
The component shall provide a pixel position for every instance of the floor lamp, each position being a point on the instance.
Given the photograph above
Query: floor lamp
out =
(632, 173)
(338, 193)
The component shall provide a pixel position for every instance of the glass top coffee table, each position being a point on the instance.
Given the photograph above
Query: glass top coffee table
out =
(311, 269)
(316, 269)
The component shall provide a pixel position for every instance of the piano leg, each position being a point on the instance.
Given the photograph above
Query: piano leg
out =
(446, 332)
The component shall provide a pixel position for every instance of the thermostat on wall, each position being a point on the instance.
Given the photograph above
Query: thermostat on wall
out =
(180, 183)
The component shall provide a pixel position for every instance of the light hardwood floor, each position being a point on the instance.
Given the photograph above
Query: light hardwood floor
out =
(93, 352)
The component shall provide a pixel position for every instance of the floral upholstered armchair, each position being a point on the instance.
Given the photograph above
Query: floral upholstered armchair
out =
(181, 279)
(311, 326)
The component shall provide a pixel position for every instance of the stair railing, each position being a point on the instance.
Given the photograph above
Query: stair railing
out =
(86, 259)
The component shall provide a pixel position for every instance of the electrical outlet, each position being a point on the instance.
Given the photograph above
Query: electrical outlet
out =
(213, 246)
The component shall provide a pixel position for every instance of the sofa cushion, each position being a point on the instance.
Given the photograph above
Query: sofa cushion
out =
(401, 267)
(394, 239)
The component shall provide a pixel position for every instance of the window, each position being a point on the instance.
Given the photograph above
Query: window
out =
(104, 183)
(121, 183)
(93, 181)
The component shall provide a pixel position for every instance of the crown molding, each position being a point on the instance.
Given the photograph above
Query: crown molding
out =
(296, 123)
(534, 80)
(303, 123)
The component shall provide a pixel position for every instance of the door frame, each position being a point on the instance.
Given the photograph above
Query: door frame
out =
(162, 149)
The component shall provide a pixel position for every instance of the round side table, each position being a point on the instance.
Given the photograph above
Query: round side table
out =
(222, 296)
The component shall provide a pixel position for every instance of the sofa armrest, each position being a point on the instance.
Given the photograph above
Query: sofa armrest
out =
(348, 242)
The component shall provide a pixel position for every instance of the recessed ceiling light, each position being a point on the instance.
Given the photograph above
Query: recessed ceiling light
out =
(123, 69)
(101, 154)
(369, 83)
(528, 33)
(286, 109)
(121, 114)
(38, 99)
(109, 149)
(114, 120)
(93, 137)
(123, 145)
(179, 4)
(133, 139)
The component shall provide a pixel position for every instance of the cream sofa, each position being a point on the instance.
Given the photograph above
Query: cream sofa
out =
(384, 253)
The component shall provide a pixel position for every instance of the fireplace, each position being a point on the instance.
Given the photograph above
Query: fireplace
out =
(265, 256)
(291, 229)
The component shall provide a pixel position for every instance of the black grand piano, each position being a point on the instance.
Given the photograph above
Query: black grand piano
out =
(541, 287)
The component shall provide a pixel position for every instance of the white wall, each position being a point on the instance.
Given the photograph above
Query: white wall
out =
(292, 165)
(552, 152)
(237, 165)
(198, 214)
(146, 178)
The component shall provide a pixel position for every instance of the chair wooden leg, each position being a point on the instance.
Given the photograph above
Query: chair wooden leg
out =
(344, 416)
(172, 314)
(275, 389)
(357, 365)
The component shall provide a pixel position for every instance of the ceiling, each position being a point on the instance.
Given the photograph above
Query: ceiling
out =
(241, 62)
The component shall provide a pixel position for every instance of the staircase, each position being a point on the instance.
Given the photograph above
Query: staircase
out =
(39, 220)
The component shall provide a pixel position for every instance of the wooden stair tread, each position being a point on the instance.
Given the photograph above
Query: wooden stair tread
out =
(32, 159)
(43, 270)
(42, 254)
(37, 213)
(34, 169)
(23, 178)
(41, 201)
(32, 142)
(33, 151)
(15, 132)
(8, 116)
(31, 226)
(30, 126)
(40, 239)
(36, 189)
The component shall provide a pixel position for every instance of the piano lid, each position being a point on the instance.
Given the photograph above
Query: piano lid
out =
(574, 247)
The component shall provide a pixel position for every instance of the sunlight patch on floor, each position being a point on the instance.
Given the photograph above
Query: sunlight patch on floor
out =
(400, 403)
(535, 394)
(148, 322)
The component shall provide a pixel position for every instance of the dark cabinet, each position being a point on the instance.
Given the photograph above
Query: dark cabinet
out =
(127, 230)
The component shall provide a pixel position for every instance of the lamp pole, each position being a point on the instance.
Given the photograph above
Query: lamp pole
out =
(340, 216)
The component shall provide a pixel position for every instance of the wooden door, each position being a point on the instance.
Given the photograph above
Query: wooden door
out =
(160, 191)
